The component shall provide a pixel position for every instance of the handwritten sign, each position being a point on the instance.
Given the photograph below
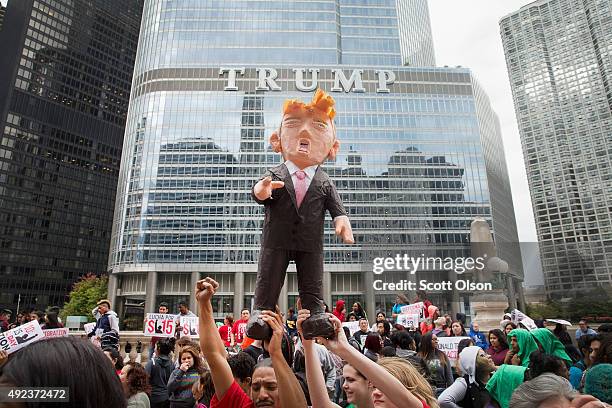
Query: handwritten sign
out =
(415, 308)
(519, 317)
(190, 326)
(450, 347)
(21, 336)
(159, 325)
(352, 326)
(59, 332)
(408, 320)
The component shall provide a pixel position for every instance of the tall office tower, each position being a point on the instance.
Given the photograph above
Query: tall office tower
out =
(65, 77)
(559, 58)
(421, 151)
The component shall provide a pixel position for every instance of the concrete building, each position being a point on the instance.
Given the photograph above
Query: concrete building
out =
(421, 151)
(559, 58)
(65, 77)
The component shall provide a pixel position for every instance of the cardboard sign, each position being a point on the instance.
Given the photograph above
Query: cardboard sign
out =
(159, 325)
(352, 326)
(19, 337)
(450, 347)
(59, 332)
(88, 327)
(415, 308)
(190, 326)
(519, 317)
(408, 320)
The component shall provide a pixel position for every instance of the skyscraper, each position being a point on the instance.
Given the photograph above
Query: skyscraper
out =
(209, 83)
(559, 60)
(65, 77)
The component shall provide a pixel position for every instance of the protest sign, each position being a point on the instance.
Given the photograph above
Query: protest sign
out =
(408, 320)
(450, 346)
(59, 332)
(519, 317)
(19, 337)
(352, 326)
(415, 308)
(88, 327)
(159, 325)
(190, 326)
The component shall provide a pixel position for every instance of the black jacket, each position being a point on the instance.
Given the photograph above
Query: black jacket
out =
(159, 370)
(286, 226)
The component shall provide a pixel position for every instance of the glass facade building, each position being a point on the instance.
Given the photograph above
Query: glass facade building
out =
(421, 152)
(65, 77)
(559, 58)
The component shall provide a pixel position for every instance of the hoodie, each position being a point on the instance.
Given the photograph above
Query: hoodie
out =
(338, 311)
(466, 391)
(480, 340)
(159, 369)
(526, 344)
(104, 323)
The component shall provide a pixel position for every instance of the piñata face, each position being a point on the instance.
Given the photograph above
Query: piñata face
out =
(307, 134)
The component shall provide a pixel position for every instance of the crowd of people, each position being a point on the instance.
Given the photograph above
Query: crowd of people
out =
(381, 364)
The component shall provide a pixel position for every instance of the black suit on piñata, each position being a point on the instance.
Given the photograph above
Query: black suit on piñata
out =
(292, 233)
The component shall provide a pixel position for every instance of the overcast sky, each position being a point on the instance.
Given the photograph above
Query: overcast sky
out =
(466, 33)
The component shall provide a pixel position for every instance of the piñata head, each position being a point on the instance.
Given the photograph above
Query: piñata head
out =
(307, 135)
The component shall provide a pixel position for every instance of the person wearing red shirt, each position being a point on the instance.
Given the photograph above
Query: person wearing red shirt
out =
(239, 328)
(226, 332)
(273, 383)
(422, 297)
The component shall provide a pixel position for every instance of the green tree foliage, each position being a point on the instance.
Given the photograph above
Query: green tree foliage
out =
(85, 293)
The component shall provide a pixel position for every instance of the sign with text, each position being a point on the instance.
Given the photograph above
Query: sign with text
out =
(19, 337)
(519, 317)
(190, 326)
(408, 320)
(415, 308)
(59, 332)
(450, 347)
(352, 326)
(159, 325)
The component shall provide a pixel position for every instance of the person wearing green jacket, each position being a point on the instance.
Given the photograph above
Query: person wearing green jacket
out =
(550, 344)
(522, 344)
(504, 381)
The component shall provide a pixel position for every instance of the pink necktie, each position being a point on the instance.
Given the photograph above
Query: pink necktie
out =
(300, 187)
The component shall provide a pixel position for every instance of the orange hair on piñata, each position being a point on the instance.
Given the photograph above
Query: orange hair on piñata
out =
(321, 101)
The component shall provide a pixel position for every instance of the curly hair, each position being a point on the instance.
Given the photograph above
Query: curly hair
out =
(136, 380)
(242, 365)
(198, 365)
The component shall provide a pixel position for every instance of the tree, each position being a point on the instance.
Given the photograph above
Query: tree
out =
(85, 293)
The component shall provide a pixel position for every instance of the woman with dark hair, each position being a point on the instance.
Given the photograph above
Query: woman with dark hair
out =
(373, 345)
(561, 333)
(358, 311)
(498, 346)
(438, 364)
(508, 327)
(540, 363)
(400, 301)
(115, 358)
(384, 329)
(182, 379)
(457, 329)
(51, 322)
(89, 378)
(136, 386)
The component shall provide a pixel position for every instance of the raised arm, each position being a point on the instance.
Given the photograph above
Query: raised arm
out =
(210, 342)
(314, 375)
(393, 389)
(289, 389)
